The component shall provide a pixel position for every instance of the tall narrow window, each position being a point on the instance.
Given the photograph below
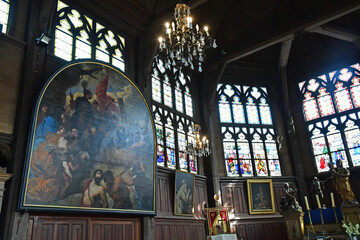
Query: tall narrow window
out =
(79, 37)
(332, 114)
(173, 111)
(4, 14)
(247, 131)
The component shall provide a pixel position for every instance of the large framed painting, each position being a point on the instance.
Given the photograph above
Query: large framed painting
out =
(92, 144)
(184, 193)
(261, 196)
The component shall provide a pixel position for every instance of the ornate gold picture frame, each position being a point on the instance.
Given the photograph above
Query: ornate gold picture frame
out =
(261, 196)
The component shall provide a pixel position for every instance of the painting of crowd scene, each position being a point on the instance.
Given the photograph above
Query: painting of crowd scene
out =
(92, 144)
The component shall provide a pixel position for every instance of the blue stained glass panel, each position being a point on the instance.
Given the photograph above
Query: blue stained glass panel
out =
(170, 139)
(170, 158)
(252, 113)
(156, 90)
(160, 156)
(271, 151)
(340, 155)
(232, 167)
(246, 168)
(167, 95)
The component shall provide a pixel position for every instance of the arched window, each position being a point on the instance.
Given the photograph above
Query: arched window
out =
(174, 117)
(78, 36)
(247, 131)
(4, 14)
(331, 104)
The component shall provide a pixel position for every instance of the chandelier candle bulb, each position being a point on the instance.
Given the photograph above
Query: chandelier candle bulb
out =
(306, 203)
(332, 199)
(318, 201)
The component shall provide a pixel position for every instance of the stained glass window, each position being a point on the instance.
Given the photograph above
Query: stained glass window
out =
(248, 134)
(171, 94)
(77, 37)
(335, 133)
(4, 14)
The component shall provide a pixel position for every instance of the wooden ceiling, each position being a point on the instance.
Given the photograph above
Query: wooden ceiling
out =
(244, 29)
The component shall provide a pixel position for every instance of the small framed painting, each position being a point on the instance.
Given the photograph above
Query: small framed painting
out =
(184, 193)
(261, 196)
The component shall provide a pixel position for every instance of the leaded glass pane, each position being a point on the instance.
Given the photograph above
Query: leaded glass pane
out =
(82, 50)
(274, 167)
(159, 134)
(182, 142)
(63, 45)
(188, 105)
(340, 155)
(243, 149)
(102, 56)
(355, 156)
(160, 156)
(261, 168)
(343, 100)
(246, 168)
(310, 109)
(238, 111)
(224, 110)
(319, 145)
(182, 162)
(252, 112)
(170, 140)
(170, 158)
(179, 100)
(258, 149)
(156, 90)
(355, 93)
(167, 95)
(4, 14)
(232, 167)
(271, 150)
(322, 162)
(335, 142)
(265, 113)
(326, 105)
(193, 163)
(229, 150)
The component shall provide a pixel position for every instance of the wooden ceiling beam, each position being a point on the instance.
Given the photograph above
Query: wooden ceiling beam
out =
(286, 36)
(285, 53)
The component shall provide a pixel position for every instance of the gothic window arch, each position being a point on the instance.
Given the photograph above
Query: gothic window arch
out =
(4, 14)
(78, 36)
(330, 105)
(174, 116)
(247, 131)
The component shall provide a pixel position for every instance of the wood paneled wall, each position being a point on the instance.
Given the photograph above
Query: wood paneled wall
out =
(254, 227)
(83, 228)
(169, 226)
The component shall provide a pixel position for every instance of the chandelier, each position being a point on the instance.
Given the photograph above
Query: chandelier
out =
(182, 44)
(198, 147)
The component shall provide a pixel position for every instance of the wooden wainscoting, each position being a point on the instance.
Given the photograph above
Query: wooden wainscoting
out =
(170, 227)
(83, 228)
(261, 229)
(180, 229)
(255, 227)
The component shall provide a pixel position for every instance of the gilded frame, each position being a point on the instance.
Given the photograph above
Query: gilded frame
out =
(260, 196)
(184, 193)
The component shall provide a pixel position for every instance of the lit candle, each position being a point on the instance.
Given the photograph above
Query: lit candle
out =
(306, 203)
(189, 22)
(206, 30)
(173, 26)
(318, 201)
(332, 199)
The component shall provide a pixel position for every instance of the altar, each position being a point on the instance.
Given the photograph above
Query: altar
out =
(223, 237)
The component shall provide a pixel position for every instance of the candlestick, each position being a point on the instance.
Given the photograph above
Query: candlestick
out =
(332, 199)
(306, 203)
(318, 201)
